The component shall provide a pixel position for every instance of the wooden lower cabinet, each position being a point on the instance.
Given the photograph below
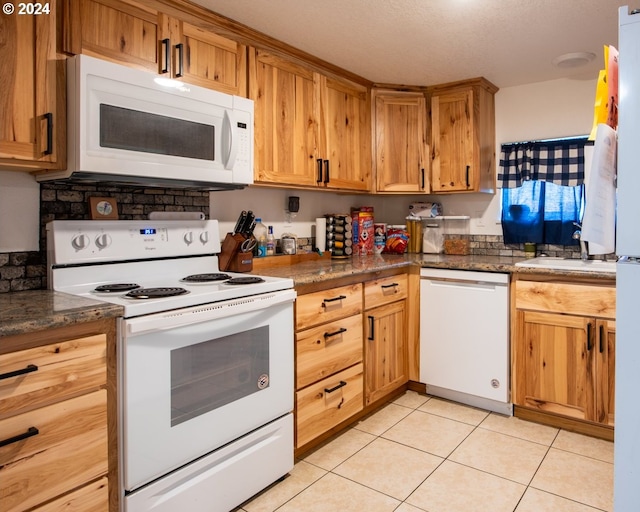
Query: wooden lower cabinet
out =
(564, 355)
(327, 403)
(385, 357)
(348, 360)
(68, 449)
(58, 426)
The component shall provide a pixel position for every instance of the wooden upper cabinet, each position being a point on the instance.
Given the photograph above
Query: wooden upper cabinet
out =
(401, 163)
(347, 134)
(32, 113)
(134, 34)
(463, 137)
(285, 119)
(312, 131)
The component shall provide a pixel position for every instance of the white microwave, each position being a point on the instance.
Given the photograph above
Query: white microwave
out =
(131, 126)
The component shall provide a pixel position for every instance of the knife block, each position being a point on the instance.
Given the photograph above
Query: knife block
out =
(231, 258)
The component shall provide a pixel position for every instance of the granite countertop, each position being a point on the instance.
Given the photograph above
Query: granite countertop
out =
(36, 310)
(318, 270)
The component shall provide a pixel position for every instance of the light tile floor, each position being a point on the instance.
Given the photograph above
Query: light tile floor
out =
(424, 454)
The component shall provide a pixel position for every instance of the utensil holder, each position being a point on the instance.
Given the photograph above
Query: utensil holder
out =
(241, 262)
(229, 254)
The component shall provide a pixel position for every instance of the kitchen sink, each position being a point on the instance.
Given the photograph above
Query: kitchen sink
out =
(569, 264)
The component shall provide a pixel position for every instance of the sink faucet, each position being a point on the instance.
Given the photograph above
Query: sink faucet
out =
(577, 235)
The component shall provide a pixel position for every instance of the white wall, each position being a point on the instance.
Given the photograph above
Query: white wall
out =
(19, 212)
(559, 108)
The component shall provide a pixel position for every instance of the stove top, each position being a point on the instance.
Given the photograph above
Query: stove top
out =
(130, 278)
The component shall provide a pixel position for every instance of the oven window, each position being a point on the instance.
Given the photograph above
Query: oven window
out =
(133, 130)
(213, 373)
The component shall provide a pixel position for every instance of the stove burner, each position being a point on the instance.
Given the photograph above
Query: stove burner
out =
(116, 287)
(205, 278)
(155, 293)
(244, 280)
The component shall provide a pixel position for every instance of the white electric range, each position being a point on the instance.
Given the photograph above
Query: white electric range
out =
(205, 368)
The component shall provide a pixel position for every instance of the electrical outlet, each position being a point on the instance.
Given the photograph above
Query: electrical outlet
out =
(479, 219)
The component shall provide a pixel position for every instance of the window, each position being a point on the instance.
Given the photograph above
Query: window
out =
(542, 190)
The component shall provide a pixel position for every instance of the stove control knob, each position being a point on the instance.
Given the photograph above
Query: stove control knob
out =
(188, 237)
(80, 242)
(103, 241)
(204, 237)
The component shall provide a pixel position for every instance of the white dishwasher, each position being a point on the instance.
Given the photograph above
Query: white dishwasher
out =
(464, 337)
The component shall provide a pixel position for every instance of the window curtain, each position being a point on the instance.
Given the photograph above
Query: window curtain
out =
(542, 190)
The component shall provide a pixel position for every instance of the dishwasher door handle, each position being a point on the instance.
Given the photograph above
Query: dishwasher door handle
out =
(478, 285)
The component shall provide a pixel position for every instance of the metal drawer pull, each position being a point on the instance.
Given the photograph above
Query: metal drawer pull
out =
(372, 325)
(335, 388)
(180, 48)
(335, 333)
(167, 45)
(33, 431)
(601, 339)
(28, 369)
(392, 285)
(49, 149)
(324, 301)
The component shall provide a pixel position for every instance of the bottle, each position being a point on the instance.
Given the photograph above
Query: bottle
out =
(260, 233)
(271, 242)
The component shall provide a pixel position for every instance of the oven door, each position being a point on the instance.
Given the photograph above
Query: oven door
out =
(198, 378)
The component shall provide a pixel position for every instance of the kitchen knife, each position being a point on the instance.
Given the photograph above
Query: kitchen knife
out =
(241, 220)
(247, 223)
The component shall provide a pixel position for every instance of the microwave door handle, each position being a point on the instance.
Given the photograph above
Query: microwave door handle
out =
(229, 141)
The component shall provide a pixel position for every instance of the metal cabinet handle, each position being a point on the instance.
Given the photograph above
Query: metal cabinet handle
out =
(27, 369)
(371, 328)
(602, 339)
(422, 173)
(392, 285)
(319, 163)
(339, 297)
(335, 388)
(589, 336)
(167, 49)
(180, 48)
(335, 333)
(49, 149)
(326, 171)
(467, 176)
(32, 431)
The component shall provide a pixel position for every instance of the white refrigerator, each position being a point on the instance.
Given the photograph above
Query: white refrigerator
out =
(627, 408)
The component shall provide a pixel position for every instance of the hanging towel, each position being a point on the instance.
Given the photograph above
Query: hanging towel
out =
(599, 220)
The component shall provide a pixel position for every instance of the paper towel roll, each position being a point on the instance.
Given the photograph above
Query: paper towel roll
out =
(176, 216)
(321, 234)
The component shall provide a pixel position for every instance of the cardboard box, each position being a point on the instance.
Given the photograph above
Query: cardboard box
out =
(363, 231)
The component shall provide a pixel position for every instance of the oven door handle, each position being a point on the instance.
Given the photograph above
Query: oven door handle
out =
(205, 312)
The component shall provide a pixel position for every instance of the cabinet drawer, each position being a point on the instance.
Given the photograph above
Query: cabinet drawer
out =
(51, 372)
(324, 350)
(328, 305)
(324, 405)
(93, 497)
(68, 450)
(385, 290)
(570, 298)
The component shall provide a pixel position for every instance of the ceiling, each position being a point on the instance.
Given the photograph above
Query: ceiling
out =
(427, 42)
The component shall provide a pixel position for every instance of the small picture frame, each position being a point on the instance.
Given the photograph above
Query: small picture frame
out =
(103, 208)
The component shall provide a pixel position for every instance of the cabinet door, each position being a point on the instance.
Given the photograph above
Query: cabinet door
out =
(605, 375)
(119, 30)
(31, 129)
(286, 123)
(385, 350)
(554, 369)
(346, 135)
(400, 142)
(452, 141)
(202, 57)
